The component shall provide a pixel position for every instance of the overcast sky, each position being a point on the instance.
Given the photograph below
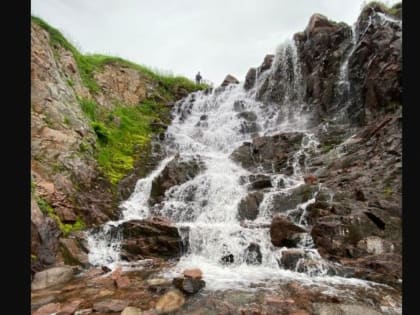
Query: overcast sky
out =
(215, 37)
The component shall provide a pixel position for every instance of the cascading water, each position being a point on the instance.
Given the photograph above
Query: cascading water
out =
(209, 126)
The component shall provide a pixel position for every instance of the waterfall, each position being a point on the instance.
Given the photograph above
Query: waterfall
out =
(210, 126)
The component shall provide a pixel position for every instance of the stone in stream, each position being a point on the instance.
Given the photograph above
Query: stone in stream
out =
(248, 207)
(193, 273)
(253, 254)
(189, 285)
(343, 309)
(227, 259)
(284, 233)
(269, 153)
(290, 258)
(176, 172)
(51, 277)
(170, 302)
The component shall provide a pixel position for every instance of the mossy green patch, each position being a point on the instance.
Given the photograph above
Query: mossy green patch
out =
(65, 228)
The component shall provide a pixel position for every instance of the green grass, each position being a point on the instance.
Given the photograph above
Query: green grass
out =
(124, 143)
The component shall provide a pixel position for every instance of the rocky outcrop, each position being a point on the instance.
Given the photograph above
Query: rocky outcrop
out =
(176, 172)
(375, 67)
(269, 153)
(149, 238)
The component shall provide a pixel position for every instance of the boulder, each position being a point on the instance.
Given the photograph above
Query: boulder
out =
(284, 233)
(266, 64)
(229, 79)
(170, 302)
(282, 201)
(227, 259)
(189, 285)
(248, 206)
(290, 258)
(108, 306)
(250, 78)
(73, 252)
(51, 277)
(253, 254)
(270, 153)
(149, 238)
(176, 172)
(256, 181)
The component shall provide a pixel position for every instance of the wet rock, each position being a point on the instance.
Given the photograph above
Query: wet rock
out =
(290, 258)
(266, 64)
(284, 233)
(73, 253)
(227, 259)
(253, 254)
(108, 306)
(193, 273)
(343, 309)
(176, 172)
(51, 277)
(256, 181)
(248, 116)
(270, 153)
(229, 79)
(129, 310)
(283, 201)
(248, 207)
(375, 245)
(171, 301)
(250, 78)
(238, 106)
(149, 238)
(189, 285)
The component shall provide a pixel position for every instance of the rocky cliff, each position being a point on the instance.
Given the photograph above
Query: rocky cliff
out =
(93, 119)
(350, 81)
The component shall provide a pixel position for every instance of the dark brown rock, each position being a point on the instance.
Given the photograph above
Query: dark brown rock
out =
(248, 207)
(176, 172)
(269, 152)
(283, 232)
(189, 285)
(149, 238)
(250, 79)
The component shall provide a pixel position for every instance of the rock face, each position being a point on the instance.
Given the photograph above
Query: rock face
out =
(375, 67)
(250, 79)
(149, 238)
(269, 153)
(284, 233)
(51, 277)
(177, 171)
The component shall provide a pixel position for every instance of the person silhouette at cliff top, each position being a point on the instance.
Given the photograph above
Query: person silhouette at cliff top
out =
(198, 78)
